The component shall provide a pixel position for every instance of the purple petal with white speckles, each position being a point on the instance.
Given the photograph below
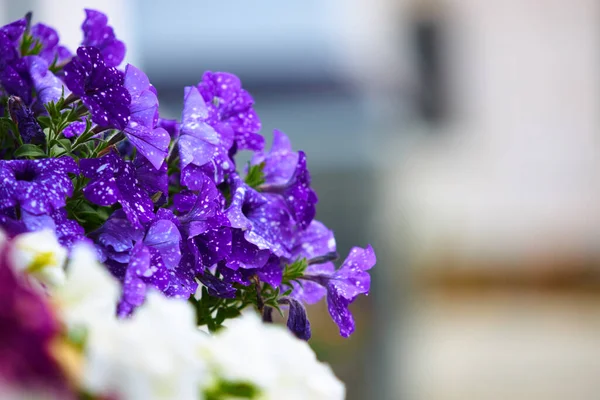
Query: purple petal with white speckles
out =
(38, 186)
(164, 236)
(352, 278)
(47, 85)
(217, 287)
(231, 109)
(297, 321)
(337, 305)
(113, 180)
(134, 288)
(280, 161)
(97, 33)
(151, 179)
(315, 241)
(299, 196)
(48, 38)
(100, 88)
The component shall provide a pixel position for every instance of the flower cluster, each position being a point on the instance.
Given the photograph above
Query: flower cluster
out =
(87, 158)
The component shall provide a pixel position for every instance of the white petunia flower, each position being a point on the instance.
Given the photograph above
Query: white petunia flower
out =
(151, 356)
(271, 358)
(90, 293)
(40, 255)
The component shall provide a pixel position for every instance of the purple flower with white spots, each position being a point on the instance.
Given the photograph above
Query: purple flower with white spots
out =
(244, 254)
(100, 88)
(206, 227)
(263, 218)
(217, 287)
(67, 231)
(150, 142)
(344, 285)
(201, 148)
(115, 239)
(150, 263)
(203, 209)
(51, 51)
(280, 161)
(97, 33)
(297, 321)
(141, 258)
(314, 242)
(37, 186)
(14, 76)
(152, 180)
(113, 180)
(14, 30)
(286, 173)
(47, 86)
(28, 127)
(74, 129)
(231, 109)
(300, 198)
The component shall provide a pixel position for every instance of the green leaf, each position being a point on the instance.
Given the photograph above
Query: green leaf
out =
(226, 313)
(226, 390)
(256, 175)
(57, 151)
(295, 270)
(29, 150)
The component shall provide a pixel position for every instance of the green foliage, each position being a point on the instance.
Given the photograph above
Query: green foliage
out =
(256, 175)
(223, 390)
(294, 271)
(29, 150)
(30, 46)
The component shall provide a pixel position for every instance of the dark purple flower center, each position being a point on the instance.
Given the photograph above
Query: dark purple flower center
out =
(27, 174)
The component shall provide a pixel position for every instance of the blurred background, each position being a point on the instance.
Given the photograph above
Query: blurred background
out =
(461, 138)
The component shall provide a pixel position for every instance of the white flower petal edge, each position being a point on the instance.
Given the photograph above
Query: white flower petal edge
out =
(270, 357)
(90, 293)
(150, 356)
(40, 255)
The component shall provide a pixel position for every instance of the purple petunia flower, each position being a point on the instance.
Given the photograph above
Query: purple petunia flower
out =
(297, 321)
(344, 285)
(300, 198)
(139, 257)
(217, 287)
(97, 33)
(47, 86)
(280, 161)
(14, 76)
(67, 231)
(27, 125)
(51, 51)
(201, 148)
(100, 88)
(207, 229)
(262, 217)
(74, 129)
(150, 142)
(231, 109)
(113, 180)
(37, 186)
(286, 173)
(316, 241)
(151, 180)
(203, 209)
